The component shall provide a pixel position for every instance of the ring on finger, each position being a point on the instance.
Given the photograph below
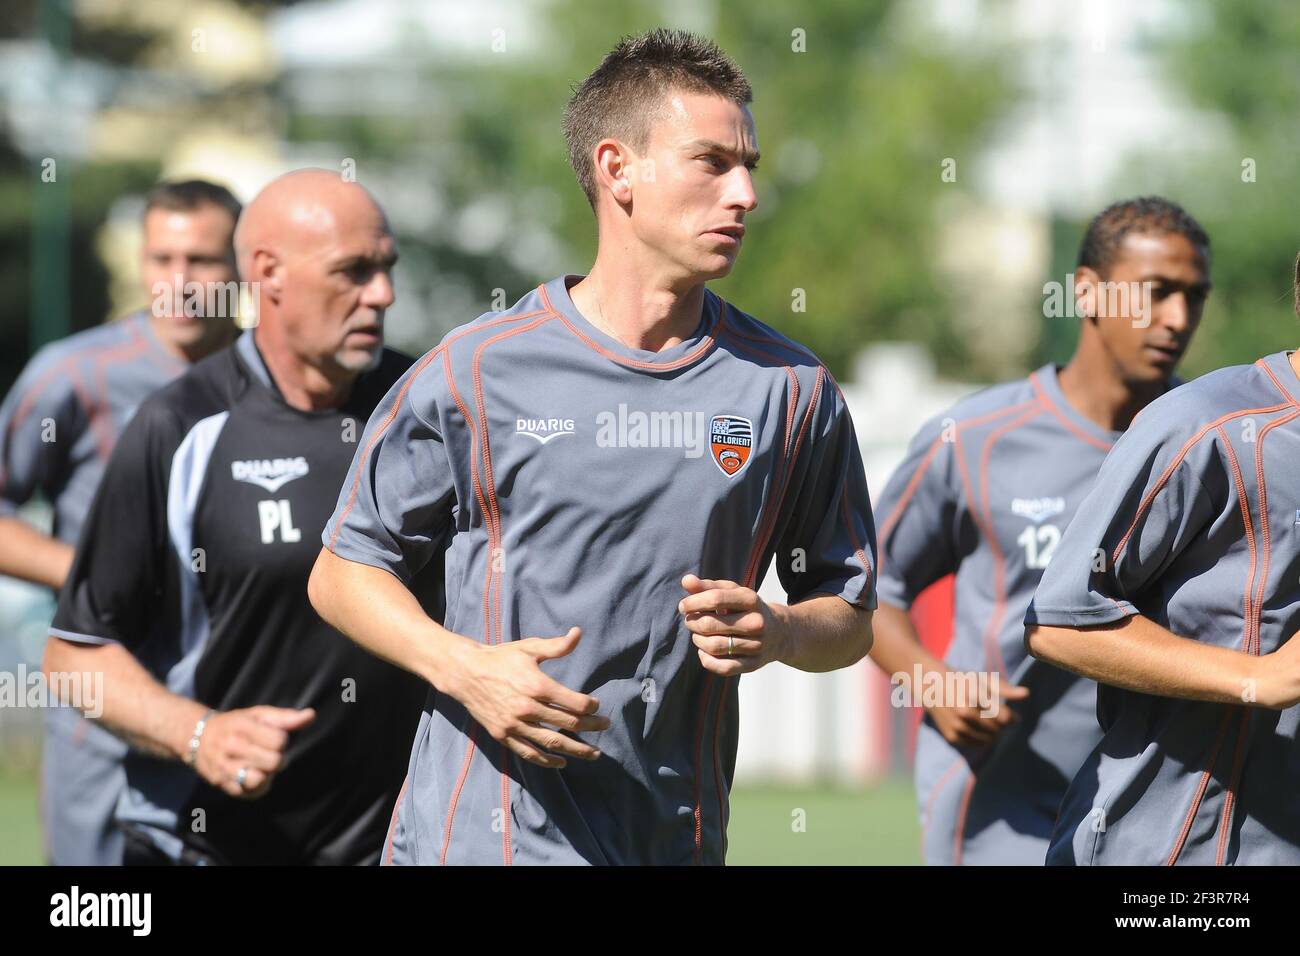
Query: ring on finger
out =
(241, 778)
(731, 645)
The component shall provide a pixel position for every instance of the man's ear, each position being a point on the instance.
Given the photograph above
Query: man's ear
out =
(1297, 285)
(268, 271)
(613, 162)
(1086, 280)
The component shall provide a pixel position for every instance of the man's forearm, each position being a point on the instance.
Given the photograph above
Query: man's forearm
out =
(132, 704)
(1138, 654)
(378, 612)
(28, 554)
(824, 633)
(896, 648)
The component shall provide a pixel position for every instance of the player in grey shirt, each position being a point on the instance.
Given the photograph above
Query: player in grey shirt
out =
(985, 493)
(624, 453)
(59, 424)
(1179, 585)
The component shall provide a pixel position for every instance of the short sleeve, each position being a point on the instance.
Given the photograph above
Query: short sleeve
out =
(38, 422)
(1157, 491)
(829, 544)
(123, 575)
(920, 510)
(395, 507)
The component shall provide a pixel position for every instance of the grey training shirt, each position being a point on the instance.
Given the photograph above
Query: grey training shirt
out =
(1195, 524)
(581, 479)
(58, 426)
(985, 492)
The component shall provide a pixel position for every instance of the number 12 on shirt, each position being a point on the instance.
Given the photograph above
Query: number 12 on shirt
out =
(1039, 541)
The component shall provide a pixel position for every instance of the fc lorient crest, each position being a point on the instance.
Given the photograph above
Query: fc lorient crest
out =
(731, 439)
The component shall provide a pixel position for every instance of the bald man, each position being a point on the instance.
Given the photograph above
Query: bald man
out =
(258, 734)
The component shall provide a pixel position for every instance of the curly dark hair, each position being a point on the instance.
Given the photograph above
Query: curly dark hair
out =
(1152, 215)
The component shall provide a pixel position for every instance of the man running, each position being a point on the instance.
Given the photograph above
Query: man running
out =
(618, 458)
(58, 425)
(984, 493)
(1178, 588)
(260, 735)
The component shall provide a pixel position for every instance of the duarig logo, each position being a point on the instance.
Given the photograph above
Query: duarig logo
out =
(544, 429)
(269, 473)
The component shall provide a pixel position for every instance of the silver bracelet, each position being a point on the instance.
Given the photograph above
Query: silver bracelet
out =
(192, 756)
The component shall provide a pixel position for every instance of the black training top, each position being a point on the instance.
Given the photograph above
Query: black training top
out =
(195, 557)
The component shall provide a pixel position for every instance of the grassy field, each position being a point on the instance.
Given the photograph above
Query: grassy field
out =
(769, 825)
(875, 825)
(20, 832)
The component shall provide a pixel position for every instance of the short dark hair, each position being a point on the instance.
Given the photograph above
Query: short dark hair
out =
(620, 96)
(186, 195)
(1150, 215)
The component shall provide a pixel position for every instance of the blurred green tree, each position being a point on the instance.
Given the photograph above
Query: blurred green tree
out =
(856, 110)
(1243, 60)
(857, 103)
(1239, 62)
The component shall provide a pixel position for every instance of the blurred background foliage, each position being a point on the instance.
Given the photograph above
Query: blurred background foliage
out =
(852, 129)
(1242, 61)
(858, 104)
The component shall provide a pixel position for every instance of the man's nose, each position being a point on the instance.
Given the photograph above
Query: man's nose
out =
(1175, 313)
(740, 190)
(379, 292)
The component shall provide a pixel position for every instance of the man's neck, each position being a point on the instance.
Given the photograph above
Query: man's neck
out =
(222, 333)
(1093, 386)
(643, 311)
(302, 385)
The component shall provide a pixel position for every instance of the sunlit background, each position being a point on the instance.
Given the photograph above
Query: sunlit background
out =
(928, 166)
